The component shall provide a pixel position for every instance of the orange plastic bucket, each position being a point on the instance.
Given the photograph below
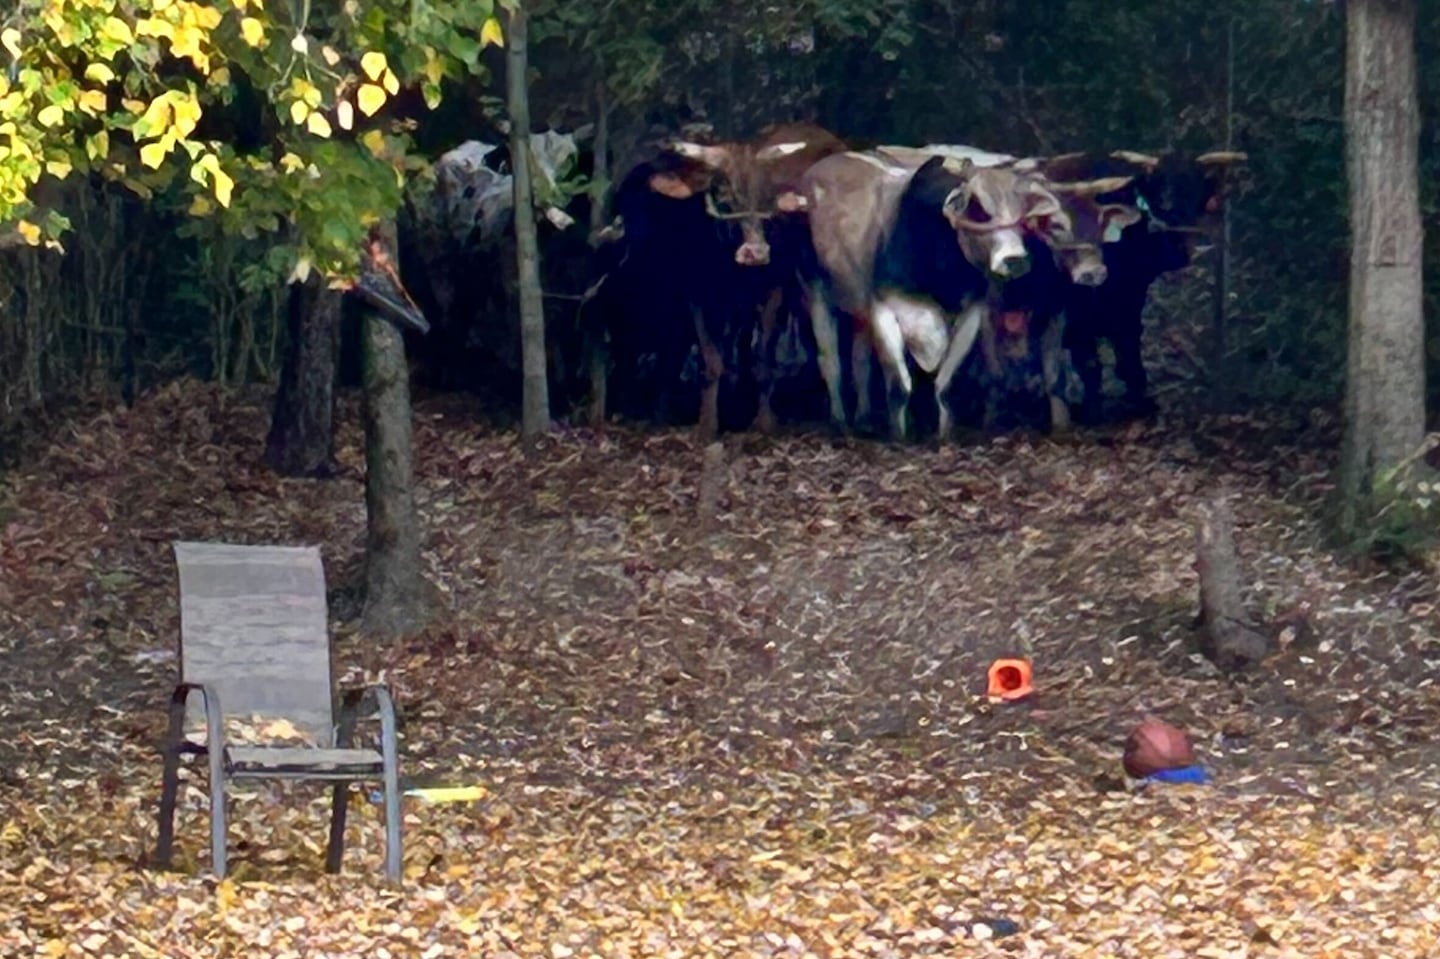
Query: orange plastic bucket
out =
(1010, 679)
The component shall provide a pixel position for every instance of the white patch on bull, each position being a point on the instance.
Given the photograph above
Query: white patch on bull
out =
(471, 194)
(889, 337)
(880, 163)
(981, 158)
(962, 340)
(713, 157)
(922, 328)
(777, 150)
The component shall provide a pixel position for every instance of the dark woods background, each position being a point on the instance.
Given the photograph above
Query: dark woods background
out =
(145, 294)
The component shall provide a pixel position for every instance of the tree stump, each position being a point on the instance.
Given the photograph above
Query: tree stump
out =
(712, 482)
(1227, 636)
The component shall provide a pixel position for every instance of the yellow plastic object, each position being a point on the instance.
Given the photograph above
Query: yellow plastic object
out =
(1010, 679)
(448, 793)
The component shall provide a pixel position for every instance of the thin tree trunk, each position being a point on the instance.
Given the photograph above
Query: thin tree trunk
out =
(398, 598)
(600, 180)
(302, 426)
(1385, 380)
(535, 395)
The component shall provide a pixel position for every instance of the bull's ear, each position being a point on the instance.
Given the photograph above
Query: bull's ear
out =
(791, 202)
(1115, 217)
(672, 185)
(777, 150)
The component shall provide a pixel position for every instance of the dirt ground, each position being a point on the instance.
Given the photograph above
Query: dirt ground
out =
(768, 737)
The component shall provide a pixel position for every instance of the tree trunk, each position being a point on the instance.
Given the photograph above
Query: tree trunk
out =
(1385, 377)
(302, 426)
(535, 392)
(398, 598)
(1227, 637)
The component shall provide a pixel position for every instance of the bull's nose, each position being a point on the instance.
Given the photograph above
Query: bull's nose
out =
(1011, 266)
(753, 254)
(1092, 276)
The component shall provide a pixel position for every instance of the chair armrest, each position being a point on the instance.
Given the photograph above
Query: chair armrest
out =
(365, 703)
(214, 728)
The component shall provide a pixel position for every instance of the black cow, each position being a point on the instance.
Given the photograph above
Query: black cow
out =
(1176, 193)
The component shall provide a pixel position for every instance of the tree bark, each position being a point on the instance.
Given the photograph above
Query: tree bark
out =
(1227, 637)
(398, 598)
(535, 391)
(1385, 377)
(302, 427)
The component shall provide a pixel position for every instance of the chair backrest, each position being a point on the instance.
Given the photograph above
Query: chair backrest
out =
(253, 626)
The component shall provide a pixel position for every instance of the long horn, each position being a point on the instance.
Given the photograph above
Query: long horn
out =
(1222, 156)
(1107, 184)
(1142, 159)
(708, 155)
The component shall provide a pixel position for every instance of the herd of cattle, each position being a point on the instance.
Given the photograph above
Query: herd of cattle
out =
(987, 277)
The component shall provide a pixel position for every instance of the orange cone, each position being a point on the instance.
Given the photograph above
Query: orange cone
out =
(1010, 679)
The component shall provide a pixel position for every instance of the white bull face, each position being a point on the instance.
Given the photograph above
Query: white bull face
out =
(993, 210)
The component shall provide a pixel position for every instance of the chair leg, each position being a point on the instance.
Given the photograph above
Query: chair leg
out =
(217, 812)
(169, 789)
(170, 784)
(335, 850)
(392, 814)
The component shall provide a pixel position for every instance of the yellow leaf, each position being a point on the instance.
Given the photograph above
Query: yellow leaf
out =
(117, 30)
(93, 101)
(330, 55)
(10, 40)
(187, 115)
(298, 111)
(50, 116)
(154, 27)
(290, 163)
(200, 205)
(206, 16)
(224, 185)
(374, 141)
(373, 63)
(31, 234)
(59, 169)
(99, 72)
(345, 114)
(134, 106)
(434, 69)
(98, 146)
(253, 31)
(369, 98)
(153, 153)
(491, 33)
(391, 84)
(239, 5)
(318, 125)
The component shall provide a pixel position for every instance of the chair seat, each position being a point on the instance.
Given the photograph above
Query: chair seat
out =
(257, 761)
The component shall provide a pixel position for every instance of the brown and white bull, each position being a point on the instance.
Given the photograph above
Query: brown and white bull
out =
(750, 193)
(913, 255)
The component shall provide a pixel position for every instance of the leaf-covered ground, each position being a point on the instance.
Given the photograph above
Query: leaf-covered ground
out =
(762, 739)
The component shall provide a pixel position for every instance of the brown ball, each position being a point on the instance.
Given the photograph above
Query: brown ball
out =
(1155, 745)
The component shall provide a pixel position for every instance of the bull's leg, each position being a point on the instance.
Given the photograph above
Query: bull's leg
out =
(827, 349)
(1131, 369)
(709, 425)
(861, 352)
(1051, 345)
(890, 349)
(1081, 341)
(962, 340)
(766, 364)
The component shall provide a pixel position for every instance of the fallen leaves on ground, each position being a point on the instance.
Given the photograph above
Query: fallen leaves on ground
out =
(767, 739)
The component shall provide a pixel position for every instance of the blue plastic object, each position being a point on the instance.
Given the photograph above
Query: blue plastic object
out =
(1185, 774)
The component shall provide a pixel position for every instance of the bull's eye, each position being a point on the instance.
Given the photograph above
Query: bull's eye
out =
(975, 211)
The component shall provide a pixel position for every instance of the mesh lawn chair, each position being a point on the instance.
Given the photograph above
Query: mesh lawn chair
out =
(254, 644)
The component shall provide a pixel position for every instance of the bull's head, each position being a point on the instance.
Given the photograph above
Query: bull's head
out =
(739, 186)
(992, 210)
(1179, 191)
(1094, 223)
